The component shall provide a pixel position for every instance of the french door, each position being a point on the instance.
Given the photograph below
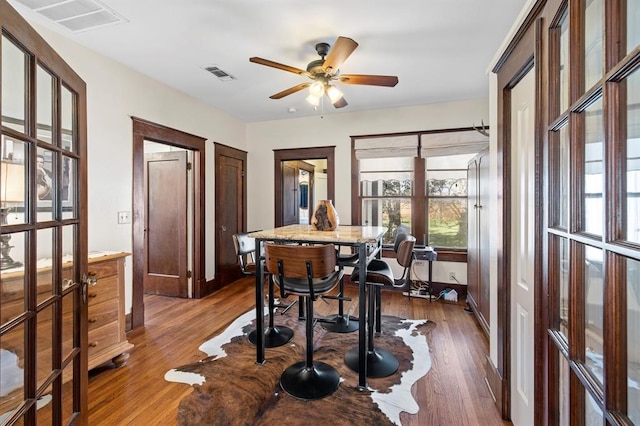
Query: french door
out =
(593, 226)
(43, 311)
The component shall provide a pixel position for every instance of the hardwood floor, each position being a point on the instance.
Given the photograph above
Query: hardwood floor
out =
(452, 393)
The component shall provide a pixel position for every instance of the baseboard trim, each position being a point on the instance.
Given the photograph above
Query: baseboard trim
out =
(495, 383)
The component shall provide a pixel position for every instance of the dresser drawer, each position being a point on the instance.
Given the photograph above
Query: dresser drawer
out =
(105, 289)
(103, 313)
(103, 337)
(104, 269)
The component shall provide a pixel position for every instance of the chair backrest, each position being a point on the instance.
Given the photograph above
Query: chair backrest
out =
(404, 255)
(245, 248)
(290, 266)
(243, 243)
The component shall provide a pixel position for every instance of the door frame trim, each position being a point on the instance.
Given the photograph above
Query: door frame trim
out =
(280, 155)
(146, 130)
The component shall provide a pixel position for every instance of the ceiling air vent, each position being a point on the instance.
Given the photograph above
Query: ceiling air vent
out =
(75, 15)
(223, 76)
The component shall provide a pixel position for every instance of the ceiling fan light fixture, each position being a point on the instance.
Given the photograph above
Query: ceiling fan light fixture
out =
(334, 94)
(316, 89)
(313, 99)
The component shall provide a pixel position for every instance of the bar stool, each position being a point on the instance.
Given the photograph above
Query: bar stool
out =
(380, 362)
(309, 272)
(341, 323)
(274, 335)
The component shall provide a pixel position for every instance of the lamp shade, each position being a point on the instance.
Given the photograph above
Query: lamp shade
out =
(11, 182)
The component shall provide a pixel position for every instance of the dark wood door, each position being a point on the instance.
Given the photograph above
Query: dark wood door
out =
(43, 303)
(166, 263)
(230, 211)
(290, 212)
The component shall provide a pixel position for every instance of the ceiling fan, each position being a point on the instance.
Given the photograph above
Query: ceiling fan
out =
(326, 70)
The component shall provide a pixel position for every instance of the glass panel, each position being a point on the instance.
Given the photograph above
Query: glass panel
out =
(563, 391)
(13, 85)
(68, 233)
(447, 225)
(13, 181)
(563, 86)
(593, 42)
(44, 183)
(44, 107)
(389, 213)
(594, 296)
(563, 178)
(633, 158)
(12, 378)
(13, 255)
(12, 290)
(593, 165)
(68, 128)
(68, 191)
(592, 412)
(633, 24)
(563, 286)
(67, 394)
(45, 246)
(386, 184)
(447, 183)
(44, 342)
(633, 339)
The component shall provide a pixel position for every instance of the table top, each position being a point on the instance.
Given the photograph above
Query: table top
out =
(343, 234)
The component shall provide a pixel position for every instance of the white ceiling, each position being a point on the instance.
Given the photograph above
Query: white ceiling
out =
(439, 49)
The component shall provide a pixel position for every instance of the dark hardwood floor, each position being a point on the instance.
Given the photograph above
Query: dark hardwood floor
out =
(452, 393)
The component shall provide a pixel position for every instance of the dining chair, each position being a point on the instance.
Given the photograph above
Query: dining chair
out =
(274, 335)
(308, 272)
(381, 362)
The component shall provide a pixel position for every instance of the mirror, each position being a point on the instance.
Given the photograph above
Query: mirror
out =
(304, 195)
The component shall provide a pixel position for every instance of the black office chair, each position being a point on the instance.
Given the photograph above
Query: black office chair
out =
(341, 323)
(380, 362)
(274, 335)
(309, 272)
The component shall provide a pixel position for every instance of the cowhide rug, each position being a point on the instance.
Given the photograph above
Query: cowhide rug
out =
(231, 389)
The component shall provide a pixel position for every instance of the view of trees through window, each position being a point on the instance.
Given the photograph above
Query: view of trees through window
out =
(388, 191)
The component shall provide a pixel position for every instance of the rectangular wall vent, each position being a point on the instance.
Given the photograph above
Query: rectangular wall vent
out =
(223, 76)
(75, 15)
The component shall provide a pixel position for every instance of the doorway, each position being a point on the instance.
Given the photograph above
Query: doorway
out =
(283, 158)
(145, 134)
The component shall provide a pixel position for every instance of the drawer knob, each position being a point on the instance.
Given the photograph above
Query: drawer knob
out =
(92, 295)
(92, 320)
(93, 344)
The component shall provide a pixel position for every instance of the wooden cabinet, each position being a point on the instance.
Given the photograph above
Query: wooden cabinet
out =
(478, 278)
(106, 318)
(107, 338)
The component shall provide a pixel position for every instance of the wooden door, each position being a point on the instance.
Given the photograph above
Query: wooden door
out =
(166, 262)
(290, 210)
(43, 201)
(230, 211)
(484, 178)
(523, 249)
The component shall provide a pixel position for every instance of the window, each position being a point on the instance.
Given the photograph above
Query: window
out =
(417, 182)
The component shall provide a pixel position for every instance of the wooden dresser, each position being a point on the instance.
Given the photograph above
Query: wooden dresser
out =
(107, 338)
(106, 318)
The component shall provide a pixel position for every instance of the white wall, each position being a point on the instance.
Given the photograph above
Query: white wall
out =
(114, 94)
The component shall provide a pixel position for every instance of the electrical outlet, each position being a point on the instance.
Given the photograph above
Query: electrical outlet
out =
(124, 217)
(452, 276)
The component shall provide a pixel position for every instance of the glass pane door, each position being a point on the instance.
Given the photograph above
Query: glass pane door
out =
(43, 233)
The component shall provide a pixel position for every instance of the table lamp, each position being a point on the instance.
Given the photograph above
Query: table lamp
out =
(11, 194)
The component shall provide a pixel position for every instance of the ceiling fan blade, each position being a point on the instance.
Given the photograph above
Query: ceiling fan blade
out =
(369, 80)
(290, 90)
(279, 66)
(339, 53)
(340, 103)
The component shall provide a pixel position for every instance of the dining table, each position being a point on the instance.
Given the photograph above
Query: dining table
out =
(367, 240)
